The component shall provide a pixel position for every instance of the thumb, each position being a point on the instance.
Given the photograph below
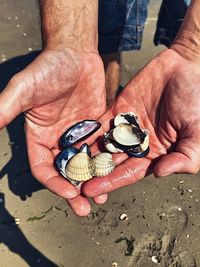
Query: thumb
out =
(12, 100)
(185, 159)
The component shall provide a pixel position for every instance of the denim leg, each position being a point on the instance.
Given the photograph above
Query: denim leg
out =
(170, 17)
(121, 24)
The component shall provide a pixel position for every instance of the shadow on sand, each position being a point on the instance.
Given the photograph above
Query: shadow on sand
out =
(20, 180)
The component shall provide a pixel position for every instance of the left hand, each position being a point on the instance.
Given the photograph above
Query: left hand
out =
(59, 88)
(165, 95)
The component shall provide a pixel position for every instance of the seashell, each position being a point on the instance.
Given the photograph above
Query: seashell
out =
(110, 143)
(154, 259)
(144, 145)
(80, 167)
(129, 139)
(143, 149)
(138, 153)
(63, 157)
(123, 217)
(104, 164)
(85, 148)
(78, 132)
(127, 135)
(127, 118)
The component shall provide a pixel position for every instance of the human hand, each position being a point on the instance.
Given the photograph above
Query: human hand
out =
(59, 88)
(165, 96)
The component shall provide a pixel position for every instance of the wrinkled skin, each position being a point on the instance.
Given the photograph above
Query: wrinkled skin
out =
(165, 94)
(56, 90)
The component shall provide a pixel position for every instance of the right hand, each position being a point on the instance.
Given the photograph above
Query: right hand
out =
(165, 95)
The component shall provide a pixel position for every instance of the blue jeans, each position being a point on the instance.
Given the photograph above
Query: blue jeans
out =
(170, 17)
(121, 23)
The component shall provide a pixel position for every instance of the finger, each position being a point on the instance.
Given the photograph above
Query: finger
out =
(80, 205)
(13, 100)
(41, 162)
(101, 199)
(129, 172)
(185, 160)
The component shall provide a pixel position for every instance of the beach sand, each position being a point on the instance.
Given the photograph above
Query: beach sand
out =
(37, 228)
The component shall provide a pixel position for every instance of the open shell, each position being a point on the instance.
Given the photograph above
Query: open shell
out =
(138, 153)
(126, 135)
(144, 145)
(110, 143)
(80, 167)
(103, 164)
(85, 148)
(63, 157)
(128, 118)
(78, 132)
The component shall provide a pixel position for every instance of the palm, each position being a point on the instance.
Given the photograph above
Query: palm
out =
(165, 95)
(58, 89)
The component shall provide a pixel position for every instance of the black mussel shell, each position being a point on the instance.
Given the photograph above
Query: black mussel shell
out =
(63, 157)
(139, 133)
(85, 148)
(73, 181)
(138, 153)
(131, 119)
(78, 132)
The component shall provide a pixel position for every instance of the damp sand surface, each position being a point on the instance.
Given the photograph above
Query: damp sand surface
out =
(162, 221)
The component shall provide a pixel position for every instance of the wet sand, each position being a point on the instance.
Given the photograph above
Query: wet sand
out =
(38, 229)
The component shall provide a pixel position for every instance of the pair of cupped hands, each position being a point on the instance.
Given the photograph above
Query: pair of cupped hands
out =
(61, 87)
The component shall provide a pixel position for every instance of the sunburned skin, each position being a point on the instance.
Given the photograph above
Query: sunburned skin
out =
(66, 83)
(187, 41)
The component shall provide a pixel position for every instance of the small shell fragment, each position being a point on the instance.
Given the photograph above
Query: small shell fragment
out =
(80, 167)
(17, 220)
(123, 217)
(154, 259)
(103, 164)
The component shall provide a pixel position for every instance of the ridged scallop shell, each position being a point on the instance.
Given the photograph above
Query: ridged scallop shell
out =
(104, 164)
(80, 167)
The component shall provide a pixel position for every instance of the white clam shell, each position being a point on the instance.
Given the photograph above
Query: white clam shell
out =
(110, 146)
(104, 164)
(121, 119)
(124, 135)
(80, 167)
